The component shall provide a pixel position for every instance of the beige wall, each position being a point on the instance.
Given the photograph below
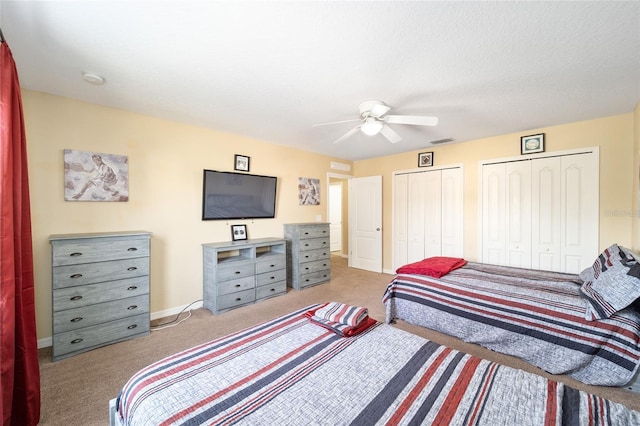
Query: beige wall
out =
(166, 160)
(614, 136)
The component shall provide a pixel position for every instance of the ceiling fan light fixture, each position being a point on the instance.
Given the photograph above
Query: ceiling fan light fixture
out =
(371, 126)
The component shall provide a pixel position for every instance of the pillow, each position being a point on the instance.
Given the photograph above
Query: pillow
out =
(612, 283)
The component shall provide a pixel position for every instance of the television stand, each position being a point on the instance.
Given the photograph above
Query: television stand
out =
(238, 273)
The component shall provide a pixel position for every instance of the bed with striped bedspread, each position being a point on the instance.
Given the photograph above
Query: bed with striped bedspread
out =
(289, 371)
(538, 316)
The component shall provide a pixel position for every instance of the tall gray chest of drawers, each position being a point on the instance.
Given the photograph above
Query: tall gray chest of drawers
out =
(236, 273)
(308, 261)
(100, 289)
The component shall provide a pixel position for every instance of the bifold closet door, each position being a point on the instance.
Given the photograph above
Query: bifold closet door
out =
(541, 213)
(452, 213)
(427, 215)
(580, 195)
(546, 214)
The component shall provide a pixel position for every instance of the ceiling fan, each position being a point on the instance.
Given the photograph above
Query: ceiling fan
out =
(373, 120)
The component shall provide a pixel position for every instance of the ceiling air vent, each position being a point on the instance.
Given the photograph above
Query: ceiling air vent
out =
(439, 141)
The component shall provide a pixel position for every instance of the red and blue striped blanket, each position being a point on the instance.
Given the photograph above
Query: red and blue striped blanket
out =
(289, 371)
(538, 316)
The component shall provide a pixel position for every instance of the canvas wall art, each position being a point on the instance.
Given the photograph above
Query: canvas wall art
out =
(93, 176)
(308, 192)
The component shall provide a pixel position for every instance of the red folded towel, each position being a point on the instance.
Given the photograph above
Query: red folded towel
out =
(436, 266)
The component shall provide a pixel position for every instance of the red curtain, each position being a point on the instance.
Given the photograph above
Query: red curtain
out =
(20, 375)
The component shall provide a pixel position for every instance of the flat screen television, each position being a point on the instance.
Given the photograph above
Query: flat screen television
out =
(230, 195)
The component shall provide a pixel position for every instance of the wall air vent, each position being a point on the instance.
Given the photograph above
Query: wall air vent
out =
(439, 141)
(340, 166)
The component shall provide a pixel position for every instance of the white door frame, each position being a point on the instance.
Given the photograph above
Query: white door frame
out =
(337, 176)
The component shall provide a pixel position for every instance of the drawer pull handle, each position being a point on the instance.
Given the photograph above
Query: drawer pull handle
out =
(238, 285)
(132, 249)
(132, 307)
(76, 319)
(273, 289)
(133, 287)
(76, 298)
(132, 268)
(132, 326)
(237, 272)
(307, 256)
(74, 341)
(238, 299)
(75, 254)
(273, 278)
(324, 264)
(306, 233)
(271, 266)
(324, 242)
(76, 276)
(306, 245)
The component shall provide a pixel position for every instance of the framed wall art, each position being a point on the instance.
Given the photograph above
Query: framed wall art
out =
(308, 192)
(532, 144)
(241, 163)
(425, 159)
(238, 232)
(93, 176)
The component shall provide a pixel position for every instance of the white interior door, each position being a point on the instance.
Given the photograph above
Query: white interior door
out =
(365, 223)
(335, 216)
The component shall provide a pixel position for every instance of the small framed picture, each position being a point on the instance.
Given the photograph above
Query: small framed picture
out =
(238, 232)
(532, 144)
(241, 163)
(425, 159)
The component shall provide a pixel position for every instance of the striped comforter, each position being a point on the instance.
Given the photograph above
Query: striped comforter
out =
(291, 372)
(537, 316)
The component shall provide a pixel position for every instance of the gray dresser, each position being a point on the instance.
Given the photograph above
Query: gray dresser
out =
(308, 253)
(237, 273)
(100, 289)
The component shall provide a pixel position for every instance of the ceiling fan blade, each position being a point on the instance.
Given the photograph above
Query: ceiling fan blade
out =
(336, 122)
(418, 120)
(346, 135)
(388, 133)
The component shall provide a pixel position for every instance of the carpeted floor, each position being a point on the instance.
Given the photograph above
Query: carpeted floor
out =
(76, 391)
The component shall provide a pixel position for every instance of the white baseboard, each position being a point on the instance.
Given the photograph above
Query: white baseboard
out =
(48, 341)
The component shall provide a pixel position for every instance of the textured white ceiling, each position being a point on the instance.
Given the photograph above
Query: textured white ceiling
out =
(269, 70)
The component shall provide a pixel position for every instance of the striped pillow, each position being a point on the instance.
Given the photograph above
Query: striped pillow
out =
(611, 284)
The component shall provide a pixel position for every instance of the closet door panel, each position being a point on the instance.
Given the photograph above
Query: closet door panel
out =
(432, 196)
(452, 213)
(400, 237)
(415, 217)
(518, 214)
(546, 214)
(493, 214)
(580, 201)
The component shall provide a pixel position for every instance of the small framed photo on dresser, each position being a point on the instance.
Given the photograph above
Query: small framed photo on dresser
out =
(238, 232)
